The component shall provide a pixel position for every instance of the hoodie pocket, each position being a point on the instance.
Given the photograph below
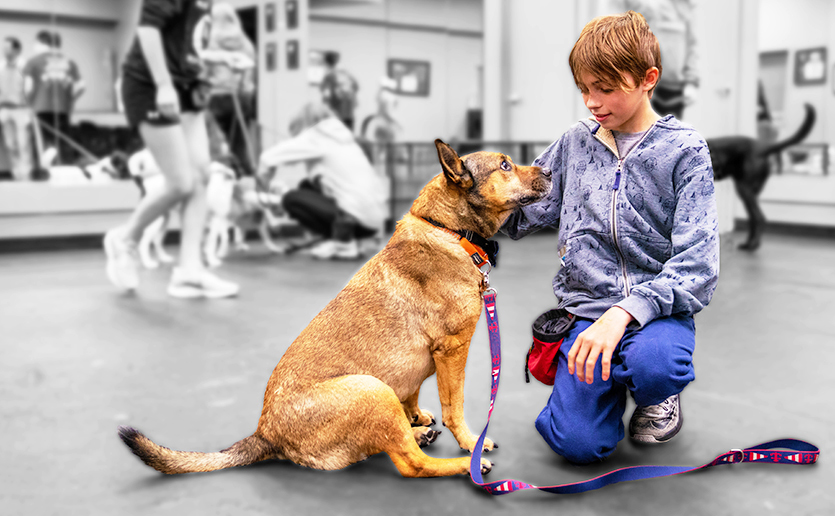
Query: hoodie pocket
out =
(590, 267)
(645, 254)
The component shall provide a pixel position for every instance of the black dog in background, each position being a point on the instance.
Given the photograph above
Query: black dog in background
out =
(746, 161)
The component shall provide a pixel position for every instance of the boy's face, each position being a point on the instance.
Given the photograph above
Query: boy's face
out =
(618, 110)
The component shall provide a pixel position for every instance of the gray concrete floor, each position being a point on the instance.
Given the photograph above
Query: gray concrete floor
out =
(77, 359)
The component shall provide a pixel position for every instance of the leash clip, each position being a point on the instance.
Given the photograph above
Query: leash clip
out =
(485, 269)
(736, 453)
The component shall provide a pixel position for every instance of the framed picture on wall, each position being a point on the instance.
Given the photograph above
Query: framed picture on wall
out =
(410, 77)
(291, 9)
(810, 66)
(269, 16)
(292, 54)
(271, 56)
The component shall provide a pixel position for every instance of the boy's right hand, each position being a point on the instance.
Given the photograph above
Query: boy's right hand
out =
(599, 339)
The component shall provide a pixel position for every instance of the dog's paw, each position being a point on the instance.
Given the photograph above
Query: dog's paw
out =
(425, 436)
(150, 264)
(489, 445)
(422, 418)
(486, 466)
(749, 246)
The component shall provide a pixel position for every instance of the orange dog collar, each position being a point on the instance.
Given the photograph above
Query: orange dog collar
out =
(483, 256)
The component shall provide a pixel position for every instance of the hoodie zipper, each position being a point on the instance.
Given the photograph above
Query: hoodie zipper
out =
(627, 286)
(614, 225)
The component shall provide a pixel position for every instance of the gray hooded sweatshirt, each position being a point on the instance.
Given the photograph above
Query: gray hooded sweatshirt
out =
(637, 231)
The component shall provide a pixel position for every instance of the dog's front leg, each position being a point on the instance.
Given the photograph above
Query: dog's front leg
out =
(450, 360)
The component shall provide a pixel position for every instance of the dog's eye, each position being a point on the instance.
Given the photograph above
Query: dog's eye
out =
(506, 166)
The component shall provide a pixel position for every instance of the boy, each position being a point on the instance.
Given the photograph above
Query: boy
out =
(633, 200)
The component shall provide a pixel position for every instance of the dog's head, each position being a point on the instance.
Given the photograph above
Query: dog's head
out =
(480, 190)
(119, 165)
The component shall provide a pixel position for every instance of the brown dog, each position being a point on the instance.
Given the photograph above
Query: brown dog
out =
(348, 386)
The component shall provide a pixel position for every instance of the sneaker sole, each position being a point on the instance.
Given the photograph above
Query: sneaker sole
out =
(111, 267)
(189, 292)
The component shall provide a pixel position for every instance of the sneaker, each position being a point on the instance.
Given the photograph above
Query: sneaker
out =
(188, 284)
(656, 423)
(336, 250)
(122, 261)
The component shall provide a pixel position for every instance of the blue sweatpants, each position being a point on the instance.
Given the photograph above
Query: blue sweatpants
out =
(584, 423)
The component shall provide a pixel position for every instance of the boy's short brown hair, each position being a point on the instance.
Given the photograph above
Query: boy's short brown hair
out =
(614, 47)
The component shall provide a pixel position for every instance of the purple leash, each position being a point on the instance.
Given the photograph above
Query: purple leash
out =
(782, 451)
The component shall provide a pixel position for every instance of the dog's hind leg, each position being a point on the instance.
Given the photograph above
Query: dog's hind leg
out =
(344, 420)
(159, 241)
(756, 218)
(214, 242)
(146, 243)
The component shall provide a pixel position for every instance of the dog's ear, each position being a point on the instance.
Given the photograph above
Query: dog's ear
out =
(452, 165)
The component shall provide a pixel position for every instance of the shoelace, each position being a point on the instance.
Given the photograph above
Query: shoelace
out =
(663, 410)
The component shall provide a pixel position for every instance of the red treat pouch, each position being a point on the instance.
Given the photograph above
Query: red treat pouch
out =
(549, 330)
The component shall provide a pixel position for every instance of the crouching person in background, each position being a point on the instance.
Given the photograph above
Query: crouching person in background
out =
(342, 198)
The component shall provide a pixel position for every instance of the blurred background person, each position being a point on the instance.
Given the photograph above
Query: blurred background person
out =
(672, 23)
(52, 84)
(163, 96)
(381, 127)
(342, 198)
(339, 90)
(15, 115)
(230, 57)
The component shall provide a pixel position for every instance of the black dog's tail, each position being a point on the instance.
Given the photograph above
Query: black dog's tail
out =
(244, 452)
(801, 134)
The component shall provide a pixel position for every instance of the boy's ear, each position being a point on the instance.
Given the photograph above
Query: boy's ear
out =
(651, 78)
(452, 166)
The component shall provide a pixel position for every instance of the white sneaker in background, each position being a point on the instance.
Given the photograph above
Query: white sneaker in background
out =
(336, 250)
(190, 284)
(122, 261)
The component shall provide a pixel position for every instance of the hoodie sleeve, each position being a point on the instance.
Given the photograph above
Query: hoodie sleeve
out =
(689, 277)
(545, 213)
(302, 147)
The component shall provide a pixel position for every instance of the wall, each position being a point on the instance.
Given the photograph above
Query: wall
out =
(446, 33)
(802, 24)
(531, 94)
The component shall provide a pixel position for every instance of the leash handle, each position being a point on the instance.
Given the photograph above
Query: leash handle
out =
(781, 451)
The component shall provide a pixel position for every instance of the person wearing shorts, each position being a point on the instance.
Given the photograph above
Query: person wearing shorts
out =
(163, 97)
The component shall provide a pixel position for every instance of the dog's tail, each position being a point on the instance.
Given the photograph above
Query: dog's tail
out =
(800, 135)
(246, 451)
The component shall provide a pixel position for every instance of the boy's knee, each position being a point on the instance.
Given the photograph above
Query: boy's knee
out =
(654, 381)
(576, 444)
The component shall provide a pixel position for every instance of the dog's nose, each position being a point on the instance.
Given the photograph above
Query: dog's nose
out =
(546, 173)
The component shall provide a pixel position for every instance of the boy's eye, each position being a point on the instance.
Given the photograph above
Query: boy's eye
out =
(506, 166)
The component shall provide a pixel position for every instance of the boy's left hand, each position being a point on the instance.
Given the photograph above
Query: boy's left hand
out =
(601, 338)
